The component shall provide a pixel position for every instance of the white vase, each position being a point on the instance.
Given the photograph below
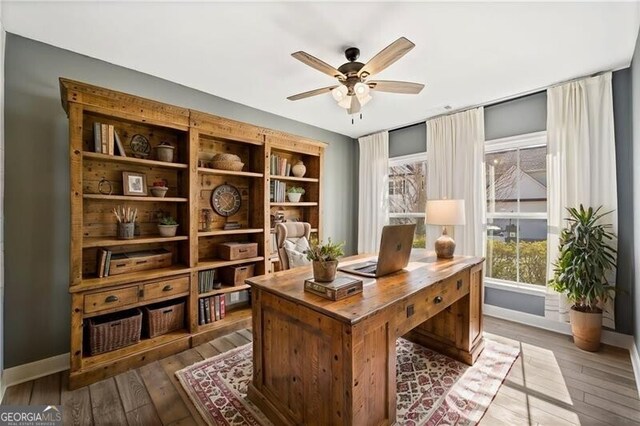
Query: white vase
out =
(299, 169)
(294, 197)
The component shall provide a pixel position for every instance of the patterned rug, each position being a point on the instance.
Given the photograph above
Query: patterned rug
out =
(432, 389)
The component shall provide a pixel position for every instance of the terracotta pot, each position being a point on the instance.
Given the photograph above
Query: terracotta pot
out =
(325, 271)
(586, 328)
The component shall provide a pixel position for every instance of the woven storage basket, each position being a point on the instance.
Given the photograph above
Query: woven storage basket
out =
(227, 162)
(164, 317)
(114, 331)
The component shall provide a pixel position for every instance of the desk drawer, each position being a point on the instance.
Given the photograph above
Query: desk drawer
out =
(165, 288)
(110, 299)
(430, 301)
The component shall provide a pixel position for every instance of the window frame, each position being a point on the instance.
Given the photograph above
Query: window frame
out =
(404, 159)
(523, 141)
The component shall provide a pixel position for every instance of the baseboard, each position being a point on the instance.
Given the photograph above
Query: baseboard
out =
(611, 338)
(33, 370)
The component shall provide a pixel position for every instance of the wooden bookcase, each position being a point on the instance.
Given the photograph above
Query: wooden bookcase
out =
(195, 135)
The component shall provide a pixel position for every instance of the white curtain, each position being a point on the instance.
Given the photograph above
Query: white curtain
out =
(581, 166)
(455, 170)
(373, 205)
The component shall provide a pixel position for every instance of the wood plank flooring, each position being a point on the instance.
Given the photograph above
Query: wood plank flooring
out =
(551, 383)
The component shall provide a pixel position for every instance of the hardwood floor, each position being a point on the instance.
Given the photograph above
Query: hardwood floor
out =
(551, 383)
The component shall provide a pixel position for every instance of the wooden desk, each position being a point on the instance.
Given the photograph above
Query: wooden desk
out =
(322, 362)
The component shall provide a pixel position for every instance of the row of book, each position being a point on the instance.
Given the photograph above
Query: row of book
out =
(106, 139)
(280, 166)
(211, 309)
(277, 191)
(208, 281)
(104, 259)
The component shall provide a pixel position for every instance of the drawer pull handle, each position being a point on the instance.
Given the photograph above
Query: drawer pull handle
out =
(141, 262)
(114, 324)
(437, 299)
(458, 284)
(167, 311)
(243, 250)
(111, 299)
(167, 287)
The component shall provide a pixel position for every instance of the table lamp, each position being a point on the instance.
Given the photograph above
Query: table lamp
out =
(445, 212)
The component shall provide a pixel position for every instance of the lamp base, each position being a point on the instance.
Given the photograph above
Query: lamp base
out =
(445, 245)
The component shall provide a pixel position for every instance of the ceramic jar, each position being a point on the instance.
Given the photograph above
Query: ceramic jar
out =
(299, 169)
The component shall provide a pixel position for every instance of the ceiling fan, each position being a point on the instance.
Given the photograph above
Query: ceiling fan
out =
(354, 89)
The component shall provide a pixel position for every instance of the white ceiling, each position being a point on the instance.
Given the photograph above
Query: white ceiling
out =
(466, 53)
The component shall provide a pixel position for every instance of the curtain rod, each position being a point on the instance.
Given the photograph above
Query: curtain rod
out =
(499, 100)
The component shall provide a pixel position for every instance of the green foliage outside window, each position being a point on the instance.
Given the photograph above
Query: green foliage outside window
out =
(503, 262)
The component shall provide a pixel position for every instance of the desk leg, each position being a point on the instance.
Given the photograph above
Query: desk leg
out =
(456, 331)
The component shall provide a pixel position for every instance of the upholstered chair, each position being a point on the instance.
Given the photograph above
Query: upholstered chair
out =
(290, 231)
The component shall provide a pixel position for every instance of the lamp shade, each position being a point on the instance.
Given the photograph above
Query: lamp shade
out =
(445, 212)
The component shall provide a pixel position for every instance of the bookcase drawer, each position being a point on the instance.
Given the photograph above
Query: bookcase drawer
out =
(165, 288)
(110, 299)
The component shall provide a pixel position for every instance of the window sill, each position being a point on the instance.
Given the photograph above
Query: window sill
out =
(530, 289)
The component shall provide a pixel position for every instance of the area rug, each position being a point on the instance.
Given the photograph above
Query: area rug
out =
(432, 389)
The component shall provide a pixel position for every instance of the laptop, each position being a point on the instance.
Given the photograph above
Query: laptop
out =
(395, 250)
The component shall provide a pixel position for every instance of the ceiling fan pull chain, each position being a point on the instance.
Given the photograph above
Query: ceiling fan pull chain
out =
(352, 122)
(360, 116)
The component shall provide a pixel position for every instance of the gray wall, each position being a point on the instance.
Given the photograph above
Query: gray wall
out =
(529, 114)
(37, 176)
(409, 140)
(635, 183)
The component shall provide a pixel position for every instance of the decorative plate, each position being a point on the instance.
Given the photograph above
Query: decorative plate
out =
(140, 146)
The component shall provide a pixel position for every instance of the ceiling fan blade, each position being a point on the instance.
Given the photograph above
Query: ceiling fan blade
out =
(387, 56)
(316, 63)
(312, 93)
(396, 86)
(355, 105)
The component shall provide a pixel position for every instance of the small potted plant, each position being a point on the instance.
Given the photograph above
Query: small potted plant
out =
(324, 259)
(580, 272)
(294, 194)
(167, 226)
(159, 188)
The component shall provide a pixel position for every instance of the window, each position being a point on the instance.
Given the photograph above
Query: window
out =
(516, 178)
(408, 193)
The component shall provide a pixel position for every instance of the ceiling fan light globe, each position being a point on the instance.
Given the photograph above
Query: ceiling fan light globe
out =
(339, 93)
(361, 89)
(364, 99)
(345, 103)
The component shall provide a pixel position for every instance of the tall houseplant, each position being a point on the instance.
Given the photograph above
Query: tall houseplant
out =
(580, 272)
(325, 259)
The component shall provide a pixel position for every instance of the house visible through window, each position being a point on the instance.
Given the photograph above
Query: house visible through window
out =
(516, 177)
(408, 193)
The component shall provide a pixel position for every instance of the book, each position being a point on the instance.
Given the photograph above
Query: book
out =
(207, 311)
(110, 139)
(337, 289)
(200, 311)
(222, 306)
(107, 263)
(119, 144)
(97, 140)
(217, 307)
(101, 260)
(104, 138)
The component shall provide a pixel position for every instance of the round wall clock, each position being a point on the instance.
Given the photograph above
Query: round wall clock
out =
(225, 200)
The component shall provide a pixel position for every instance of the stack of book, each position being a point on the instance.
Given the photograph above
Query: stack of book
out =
(208, 280)
(231, 225)
(211, 309)
(105, 139)
(277, 191)
(104, 259)
(280, 166)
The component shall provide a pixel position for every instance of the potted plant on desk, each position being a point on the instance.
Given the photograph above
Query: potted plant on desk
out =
(325, 259)
(580, 272)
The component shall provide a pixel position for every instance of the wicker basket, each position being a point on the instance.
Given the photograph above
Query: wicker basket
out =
(164, 317)
(235, 166)
(114, 331)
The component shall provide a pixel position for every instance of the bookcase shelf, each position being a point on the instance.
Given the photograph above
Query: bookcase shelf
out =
(132, 160)
(295, 179)
(224, 290)
(230, 232)
(134, 198)
(194, 136)
(219, 263)
(206, 170)
(90, 242)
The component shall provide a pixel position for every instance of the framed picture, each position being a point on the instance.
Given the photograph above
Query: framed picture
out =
(134, 184)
